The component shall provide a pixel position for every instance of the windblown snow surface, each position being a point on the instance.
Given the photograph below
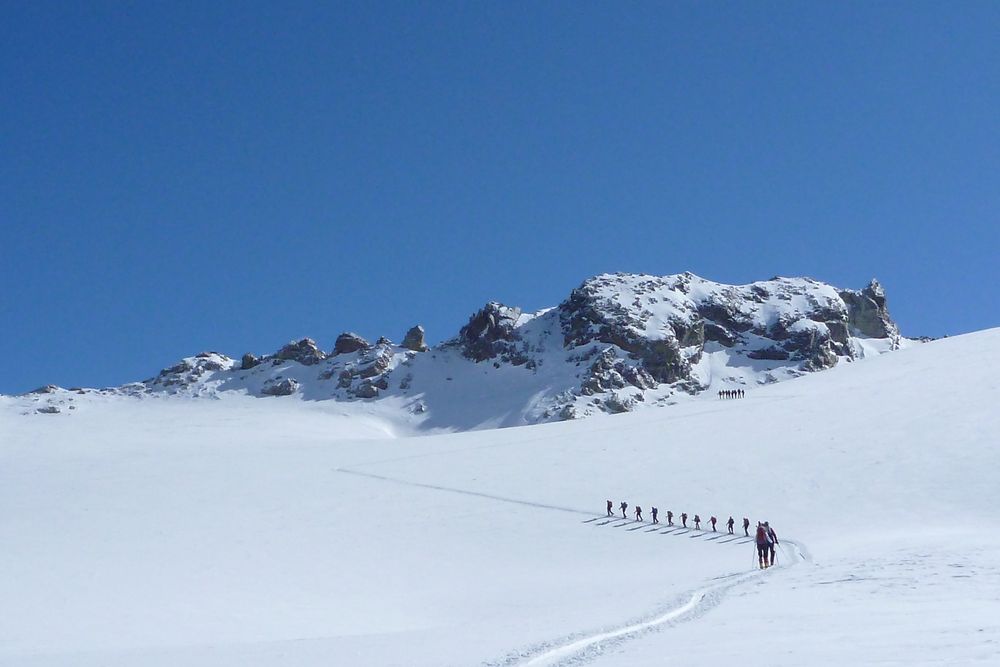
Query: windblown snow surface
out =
(257, 533)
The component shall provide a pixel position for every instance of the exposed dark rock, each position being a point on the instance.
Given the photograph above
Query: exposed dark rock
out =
(348, 342)
(277, 387)
(769, 353)
(366, 390)
(616, 404)
(47, 389)
(179, 368)
(689, 334)
(664, 361)
(414, 339)
(209, 361)
(48, 410)
(867, 312)
(305, 351)
(726, 314)
(720, 334)
(378, 364)
(838, 331)
(823, 357)
(602, 375)
(587, 316)
(490, 332)
(637, 376)
(249, 361)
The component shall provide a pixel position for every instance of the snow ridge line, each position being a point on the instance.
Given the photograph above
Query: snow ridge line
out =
(698, 603)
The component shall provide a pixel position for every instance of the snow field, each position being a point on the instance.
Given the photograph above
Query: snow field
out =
(238, 533)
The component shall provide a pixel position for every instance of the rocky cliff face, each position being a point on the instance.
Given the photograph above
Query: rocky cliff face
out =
(618, 342)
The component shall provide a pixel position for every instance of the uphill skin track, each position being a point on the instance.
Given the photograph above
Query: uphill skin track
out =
(690, 606)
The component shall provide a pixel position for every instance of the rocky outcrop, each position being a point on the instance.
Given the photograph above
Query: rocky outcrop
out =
(190, 371)
(590, 315)
(617, 341)
(304, 351)
(490, 333)
(665, 323)
(280, 387)
(366, 389)
(867, 312)
(348, 342)
(616, 404)
(212, 361)
(770, 353)
(365, 374)
(414, 339)
(607, 372)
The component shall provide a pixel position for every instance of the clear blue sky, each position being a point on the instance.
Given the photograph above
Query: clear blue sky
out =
(176, 177)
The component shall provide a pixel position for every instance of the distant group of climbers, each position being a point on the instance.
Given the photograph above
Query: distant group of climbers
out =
(732, 393)
(765, 537)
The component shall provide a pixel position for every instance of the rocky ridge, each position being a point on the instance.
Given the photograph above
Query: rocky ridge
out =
(617, 342)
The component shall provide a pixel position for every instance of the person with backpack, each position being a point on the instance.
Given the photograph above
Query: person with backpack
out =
(609, 508)
(746, 527)
(730, 524)
(638, 513)
(655, 511)
(772, 539)
(712, 521)
(624, 506)
(763, 546)
(684, 519)
(697, 522)
(670, 518)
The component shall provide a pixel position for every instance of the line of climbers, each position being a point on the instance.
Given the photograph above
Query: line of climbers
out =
(764, 537)
(732, 393)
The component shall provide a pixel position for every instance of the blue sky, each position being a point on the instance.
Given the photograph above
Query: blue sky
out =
(176, 177)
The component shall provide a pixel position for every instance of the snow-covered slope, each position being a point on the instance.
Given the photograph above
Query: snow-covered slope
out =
(155, 533)
(618, 342)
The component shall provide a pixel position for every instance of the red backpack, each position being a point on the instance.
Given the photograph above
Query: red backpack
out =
(761, 535)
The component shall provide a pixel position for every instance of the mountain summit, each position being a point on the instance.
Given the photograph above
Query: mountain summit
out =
(618, 342)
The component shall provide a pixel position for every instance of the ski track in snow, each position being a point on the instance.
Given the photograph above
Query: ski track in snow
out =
(581, 648)
(465, 492)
